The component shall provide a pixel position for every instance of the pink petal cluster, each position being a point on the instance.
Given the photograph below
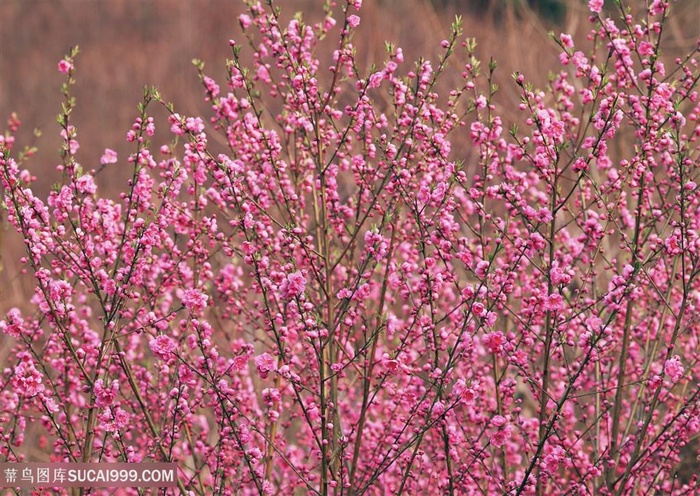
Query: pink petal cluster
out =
(194, 300)
(595, 6)
(265, 363)
(293, 285)
(674, 369)
(109, 157)
(344, 280)
(162, 346)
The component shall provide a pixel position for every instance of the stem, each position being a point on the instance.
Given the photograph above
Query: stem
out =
(544, 394)
(499, 410)
(617, 406)
(273, 429)
(368, 374)
(448, 462)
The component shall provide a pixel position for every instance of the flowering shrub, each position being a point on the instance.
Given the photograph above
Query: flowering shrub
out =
(324, 299)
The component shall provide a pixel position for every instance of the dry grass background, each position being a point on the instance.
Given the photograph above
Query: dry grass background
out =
(126, 44)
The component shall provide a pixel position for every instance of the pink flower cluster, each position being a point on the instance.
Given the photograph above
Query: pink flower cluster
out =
(372, 289)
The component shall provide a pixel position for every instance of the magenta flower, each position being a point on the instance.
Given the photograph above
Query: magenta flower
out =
(392, 365)
(194, 300)
(595, 6)
(64, 66)
(245, 20)
(293, 285)
(494, 341)
(566, 40)
(12, 325)
(479, 309)
(86, 184)
(105, 396)
(162, 346)
(265, 363)
(503, 431)
(554, 302)
(466, 394)
(108, 157)
(240, 362)
(26, 379)
(674, 369)
(432, 304)
(553, 459)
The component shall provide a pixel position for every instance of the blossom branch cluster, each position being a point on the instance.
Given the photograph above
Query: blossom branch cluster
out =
(326, 298)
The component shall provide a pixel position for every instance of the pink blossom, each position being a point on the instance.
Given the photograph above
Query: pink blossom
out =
(494, 341)
(240, 362)
(162, 346)
(245, 21)
(293, 285)
(481, 268)
(114, 420)
(26, 379)
(674, 369)
(503, 431)
(672, 244)
(554, 302)
(468, 292)
(566, 40)
(86, 184)
(65, 66)
(344, 293)
(194, 300)
(264, 74)
(376, 245)
(194, 124)
(13, 323)
(104, 396)
(265, 363)
(559, 276)
(211, 86)
(109, 157)
(271, 396)
(544, 215)
(175, 125)
(553, 459)
(376, 79)
(121, 419)
(595, 6)
(69, 136)
(391, 364)
(466, 394)
(657, 7)
(645, 48)
(321, 232)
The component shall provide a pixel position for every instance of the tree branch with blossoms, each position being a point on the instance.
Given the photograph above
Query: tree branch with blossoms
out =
(313, 289)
